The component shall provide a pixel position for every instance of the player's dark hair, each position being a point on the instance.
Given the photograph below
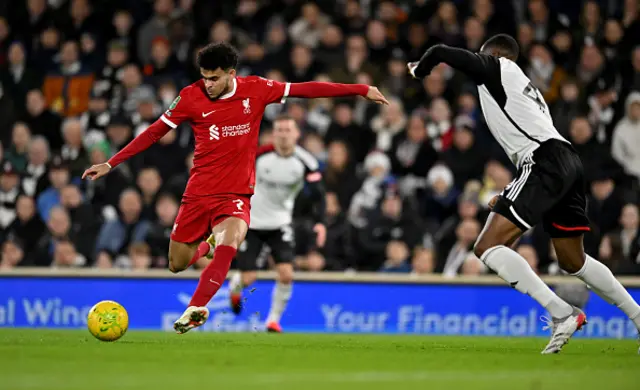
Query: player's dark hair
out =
(502, 45)
(218, 55)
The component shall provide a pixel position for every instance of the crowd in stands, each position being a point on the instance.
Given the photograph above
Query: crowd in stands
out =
(407, 184)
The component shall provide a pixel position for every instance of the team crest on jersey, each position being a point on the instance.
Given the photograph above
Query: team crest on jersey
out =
(174, 103)
(245, 104)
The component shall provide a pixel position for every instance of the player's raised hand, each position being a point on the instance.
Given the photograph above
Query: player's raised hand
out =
(96, 171)
(375, 95)
(321, 234)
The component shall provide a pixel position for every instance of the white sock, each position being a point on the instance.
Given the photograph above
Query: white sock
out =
(279, 299)
(515, 270)
(600, 279)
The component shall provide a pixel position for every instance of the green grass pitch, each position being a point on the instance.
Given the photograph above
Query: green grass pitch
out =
(70, 360)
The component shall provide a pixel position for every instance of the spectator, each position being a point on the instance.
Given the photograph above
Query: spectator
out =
(106, 192)
(27, 226)
(625, 147)
(544, 73)
(411, 152)
(166, 210)
(423, 261)
(73, 151)
(116, 235)
(17, 152)
(59, 177)
(336, 251)
(397, 255)
(65, 255)
(441, 194)
(390, 121)
(157, 26)
(149, 183)
(58, 230)
(376, 186)
(466, 158)
(340, 175)
(620, 249)
(43, 121)
(20, 76)
(67, 89)
(9, 191)
(84, 221)
(566, 107)
(12, 253)
(36, 178)
(605, 202)
(466, 234)
(472, 266)
(594, 155)
(307, 29)
(393, 221)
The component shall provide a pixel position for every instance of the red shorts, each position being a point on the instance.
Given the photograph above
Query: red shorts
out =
(196, 217)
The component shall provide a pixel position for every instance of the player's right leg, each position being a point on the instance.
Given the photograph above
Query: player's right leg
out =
(192, 223)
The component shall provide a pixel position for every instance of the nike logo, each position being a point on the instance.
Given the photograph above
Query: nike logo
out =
(514, 284)
(208, 113)
(214, 282)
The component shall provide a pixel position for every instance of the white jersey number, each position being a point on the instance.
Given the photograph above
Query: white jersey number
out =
(287, 233)
(533, 93)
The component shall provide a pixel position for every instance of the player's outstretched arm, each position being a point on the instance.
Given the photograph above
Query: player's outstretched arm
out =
(317, 89)
(474, 65)
(148, 137)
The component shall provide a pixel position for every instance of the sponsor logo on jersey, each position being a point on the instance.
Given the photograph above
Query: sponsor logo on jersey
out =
(228, 131)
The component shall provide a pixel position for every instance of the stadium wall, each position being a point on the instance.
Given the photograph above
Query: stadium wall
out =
(322, 302)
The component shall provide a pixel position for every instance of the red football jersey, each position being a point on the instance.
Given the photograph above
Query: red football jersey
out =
(226, 133)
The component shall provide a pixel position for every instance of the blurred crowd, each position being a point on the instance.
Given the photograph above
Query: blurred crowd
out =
(407, 184)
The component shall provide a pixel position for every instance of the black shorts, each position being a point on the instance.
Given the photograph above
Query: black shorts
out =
(259, 244)
(548, 187)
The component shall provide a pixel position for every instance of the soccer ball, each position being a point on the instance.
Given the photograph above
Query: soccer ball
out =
(108, 321)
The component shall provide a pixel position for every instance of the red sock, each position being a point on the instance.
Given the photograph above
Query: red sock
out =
(202, 251)
(213, 276)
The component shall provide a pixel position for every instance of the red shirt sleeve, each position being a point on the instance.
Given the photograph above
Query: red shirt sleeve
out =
(147, 138)
(178, 111)
(316, 89)
(273, 91)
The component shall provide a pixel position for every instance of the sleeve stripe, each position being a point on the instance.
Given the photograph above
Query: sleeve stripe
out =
(168, 122)
(287, 87)
(309, 161)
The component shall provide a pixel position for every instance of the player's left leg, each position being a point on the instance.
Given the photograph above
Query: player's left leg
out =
(282, 244)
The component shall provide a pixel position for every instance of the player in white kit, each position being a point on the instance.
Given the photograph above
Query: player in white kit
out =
(549, 186)
(282, 170)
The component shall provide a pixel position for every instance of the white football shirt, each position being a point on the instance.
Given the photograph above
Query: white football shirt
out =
(515, 111)
(279, 180)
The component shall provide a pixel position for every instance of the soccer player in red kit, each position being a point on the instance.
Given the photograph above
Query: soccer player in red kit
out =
(225, 112)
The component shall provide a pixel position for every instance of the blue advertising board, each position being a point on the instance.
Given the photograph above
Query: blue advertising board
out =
(331, 307)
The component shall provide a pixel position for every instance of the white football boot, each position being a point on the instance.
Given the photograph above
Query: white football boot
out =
(193, 317)
(563, 329)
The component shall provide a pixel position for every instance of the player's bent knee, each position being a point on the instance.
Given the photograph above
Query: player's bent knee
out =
(572, 263)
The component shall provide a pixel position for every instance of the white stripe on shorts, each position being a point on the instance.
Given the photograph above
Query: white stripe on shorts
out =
(519, 184)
